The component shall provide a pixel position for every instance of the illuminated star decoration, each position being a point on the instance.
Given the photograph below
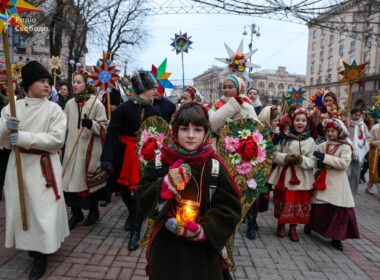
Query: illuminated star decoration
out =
(161, 76)
(238, 61)
(181, 43)
(105, 75)
(10, 13)
(296, 95)
(353, 73)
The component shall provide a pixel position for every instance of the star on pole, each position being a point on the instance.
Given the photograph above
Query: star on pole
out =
(296, 95)
(353, 73)
(162, 77)
(105, 76)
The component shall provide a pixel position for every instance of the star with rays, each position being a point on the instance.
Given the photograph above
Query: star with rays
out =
(162, 77)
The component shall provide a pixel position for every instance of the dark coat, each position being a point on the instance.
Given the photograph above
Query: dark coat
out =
(125, 121)
(165, 107)
(174, 257)
(62, 101)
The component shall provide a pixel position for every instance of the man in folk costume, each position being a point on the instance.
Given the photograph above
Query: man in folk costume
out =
(373, 159)
(119, 154)
(359, 136)
(39, 132)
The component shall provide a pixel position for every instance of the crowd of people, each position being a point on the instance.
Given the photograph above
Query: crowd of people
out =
(75, 155)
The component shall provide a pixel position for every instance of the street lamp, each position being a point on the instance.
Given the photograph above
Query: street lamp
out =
(125, 67)
(255, 30)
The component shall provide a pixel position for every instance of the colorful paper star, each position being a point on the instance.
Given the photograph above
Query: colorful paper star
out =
(162, 77)
(316, 100)
(353, 73)
(105, 76)
(296, 95)
(238, 61)
(181, 43)
(13, 8)
(377, 97)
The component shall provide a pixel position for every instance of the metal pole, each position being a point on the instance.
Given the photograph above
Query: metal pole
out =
(183, 73)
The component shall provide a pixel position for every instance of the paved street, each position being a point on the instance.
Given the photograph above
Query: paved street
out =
(100, 252)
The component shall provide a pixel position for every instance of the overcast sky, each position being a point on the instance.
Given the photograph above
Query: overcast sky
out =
(280, 44)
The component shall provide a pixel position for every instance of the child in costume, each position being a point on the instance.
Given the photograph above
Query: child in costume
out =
(359, 136)
(270, 117)
(119, 153)
(84, 113)
(332, 212)
(293, 175)
(191, 250)
(253, 95)
(39, 132)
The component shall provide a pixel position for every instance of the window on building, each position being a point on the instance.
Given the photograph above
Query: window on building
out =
(341, 37)
(321, 53)
(323, 32)
(315, 34)
(367, 55)
(311, 81)
(331, 52)
(354, 32)
(261, 85)
(281, 87)
(271, 85)
(331, 39)
(368, 41)
(352, 58)
(329, 65)
(366, 68)
(313, 45)
(352, 46)
(328, 78)
(355, 17)
(312, 69)
(322, 42)
(319, 80)
(341, 50)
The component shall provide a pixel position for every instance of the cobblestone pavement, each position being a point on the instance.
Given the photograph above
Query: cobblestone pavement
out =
(100, 252)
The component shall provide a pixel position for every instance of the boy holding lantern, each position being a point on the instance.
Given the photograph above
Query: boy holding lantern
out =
(194, 201)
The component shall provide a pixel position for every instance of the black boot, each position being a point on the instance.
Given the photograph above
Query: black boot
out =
(134, 239)
(77, 217)
(307, 229)
(128, 224)
(337, 244)
(251, 232)
(93, 217)
(38, 267)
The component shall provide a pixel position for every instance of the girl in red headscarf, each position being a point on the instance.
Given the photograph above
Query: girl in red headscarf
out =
(293, 177)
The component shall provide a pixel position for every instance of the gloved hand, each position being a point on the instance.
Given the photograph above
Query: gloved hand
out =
(176, 179)
(319, 155)
(86, 122)
(13, 138)
(107, 166)
(12, 123)
(192, 230)
(320, 164)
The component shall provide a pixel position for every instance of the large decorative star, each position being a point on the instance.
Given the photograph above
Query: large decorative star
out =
(296, 95)
(238, 61)
(105, 76)
(181, 43)
(13, 8)
(353, 73)
(377, 97)
(162, 77)
(316, 100)
(55, 62)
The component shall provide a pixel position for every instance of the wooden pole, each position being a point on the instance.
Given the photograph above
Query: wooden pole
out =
(348, 103)
(108, 104)
(12, 107)
(54, 77)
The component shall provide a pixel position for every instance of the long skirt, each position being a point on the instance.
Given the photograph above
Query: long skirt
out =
(334, 222)
(292, 207)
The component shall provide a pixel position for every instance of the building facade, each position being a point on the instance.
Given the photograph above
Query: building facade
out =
(356, 38)
(210, 83)
(272, 84)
